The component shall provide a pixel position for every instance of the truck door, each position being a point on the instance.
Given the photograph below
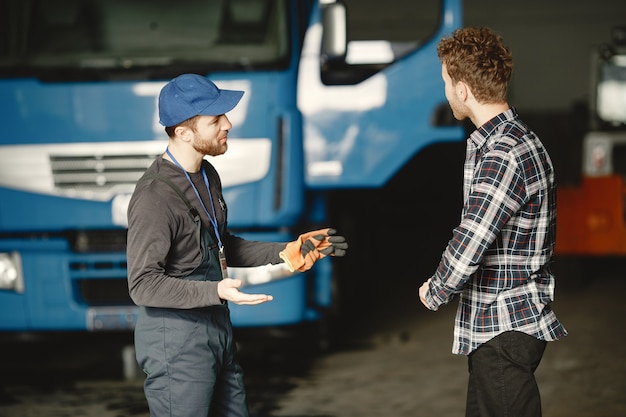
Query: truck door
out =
(370, 90)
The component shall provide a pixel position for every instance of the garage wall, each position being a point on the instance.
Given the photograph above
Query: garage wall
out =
(551, 43)
(551, 40)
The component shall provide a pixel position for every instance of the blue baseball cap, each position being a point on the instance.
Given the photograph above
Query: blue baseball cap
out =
(190, 95)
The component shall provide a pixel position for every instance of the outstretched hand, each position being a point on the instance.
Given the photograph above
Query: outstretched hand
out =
(329, 244)
(308, 248)
(228, 289)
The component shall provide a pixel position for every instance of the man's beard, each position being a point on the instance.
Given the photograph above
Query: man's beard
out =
(209, 148)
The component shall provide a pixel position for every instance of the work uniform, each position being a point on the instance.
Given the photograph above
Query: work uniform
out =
(183, 337)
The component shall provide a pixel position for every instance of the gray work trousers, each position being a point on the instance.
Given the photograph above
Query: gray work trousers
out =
(190, 359)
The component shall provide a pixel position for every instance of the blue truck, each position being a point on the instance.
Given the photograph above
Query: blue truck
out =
(329, 105)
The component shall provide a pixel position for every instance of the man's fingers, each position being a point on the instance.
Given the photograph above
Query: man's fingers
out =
(254, 299)
(327, 251)
(339, 252)
(228, 289)
(312, 243)
(334, 250)
(307, 247)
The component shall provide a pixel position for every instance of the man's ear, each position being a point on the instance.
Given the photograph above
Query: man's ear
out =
(462, 91)
(183, 132)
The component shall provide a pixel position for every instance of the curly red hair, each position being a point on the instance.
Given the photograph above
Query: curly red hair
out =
(479, 58)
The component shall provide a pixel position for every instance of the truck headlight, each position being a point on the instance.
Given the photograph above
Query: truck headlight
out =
(11, 277)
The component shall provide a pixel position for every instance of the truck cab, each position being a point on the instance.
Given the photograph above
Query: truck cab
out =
(330, 103)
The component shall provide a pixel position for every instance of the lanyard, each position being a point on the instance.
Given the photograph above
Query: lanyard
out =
(212, 219)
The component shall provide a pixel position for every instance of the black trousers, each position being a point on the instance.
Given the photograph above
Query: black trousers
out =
(502, 377)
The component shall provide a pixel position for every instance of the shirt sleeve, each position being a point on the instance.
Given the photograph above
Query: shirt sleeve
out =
(247, 253)
(497, 193)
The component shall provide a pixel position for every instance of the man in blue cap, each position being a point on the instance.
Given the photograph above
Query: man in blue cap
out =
(178, 251)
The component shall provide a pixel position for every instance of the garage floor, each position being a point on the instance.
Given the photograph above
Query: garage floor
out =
(408, 370)
(394, 362)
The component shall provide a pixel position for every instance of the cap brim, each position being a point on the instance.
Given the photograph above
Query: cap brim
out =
(227, 101)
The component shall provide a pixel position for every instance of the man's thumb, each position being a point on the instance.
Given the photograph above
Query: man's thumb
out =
(233, 282)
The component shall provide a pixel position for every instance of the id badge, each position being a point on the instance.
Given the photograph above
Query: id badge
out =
(223, 264)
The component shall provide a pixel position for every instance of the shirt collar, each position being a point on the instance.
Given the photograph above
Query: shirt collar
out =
(480, 135)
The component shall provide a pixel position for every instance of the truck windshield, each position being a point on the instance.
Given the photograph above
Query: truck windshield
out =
(139, 38)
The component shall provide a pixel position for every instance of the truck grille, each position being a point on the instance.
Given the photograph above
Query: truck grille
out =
(98, 241)
(100, 279)
(98, 172)
(104, 292)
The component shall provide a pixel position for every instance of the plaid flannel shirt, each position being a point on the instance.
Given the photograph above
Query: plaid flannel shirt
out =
(498, 257)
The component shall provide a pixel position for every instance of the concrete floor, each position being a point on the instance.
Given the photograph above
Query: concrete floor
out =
(408, 370)
(395, 362)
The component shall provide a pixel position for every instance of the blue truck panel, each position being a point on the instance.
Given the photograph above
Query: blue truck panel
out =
(80, 124)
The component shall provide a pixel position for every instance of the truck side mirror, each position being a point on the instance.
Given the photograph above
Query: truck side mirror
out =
(334, 38)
